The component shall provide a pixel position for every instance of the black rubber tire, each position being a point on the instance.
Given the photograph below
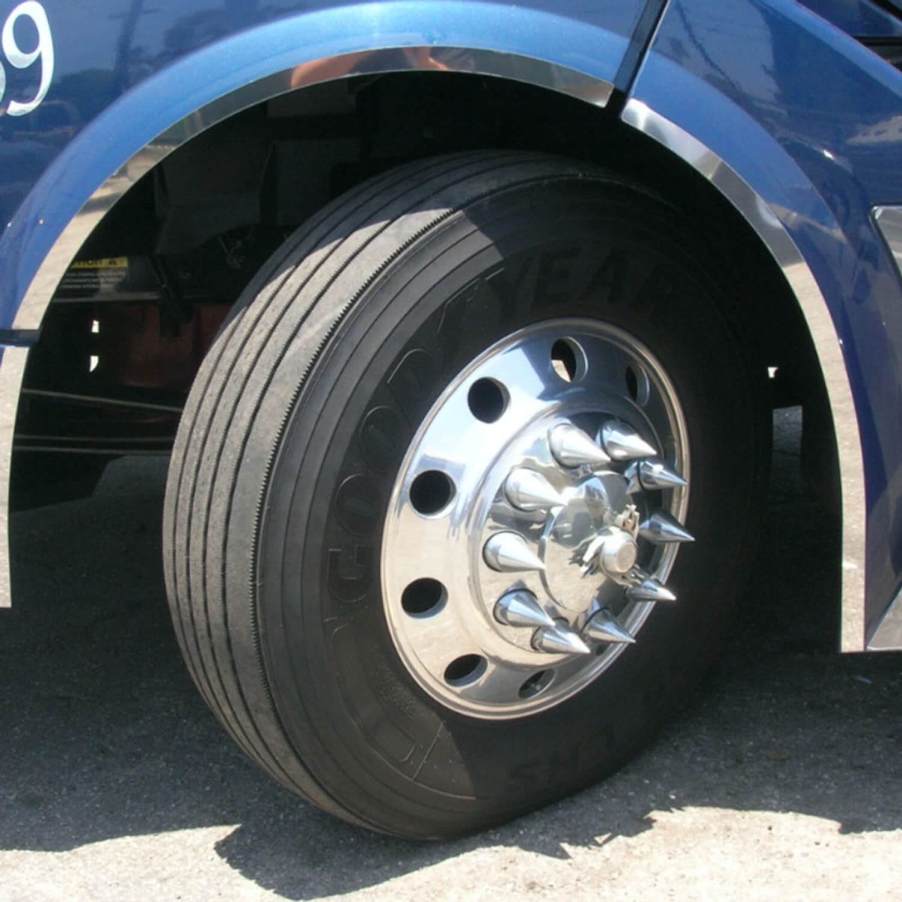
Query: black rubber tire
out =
(294, 432)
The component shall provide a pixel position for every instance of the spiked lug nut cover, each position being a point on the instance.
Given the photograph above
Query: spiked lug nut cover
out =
(509, 552)
(528, 490)
(571, 447)
(622, 442)
(560, 640)
(649, 589)
(661, 529)
(652, 475)
(521, 608)
(603, 627)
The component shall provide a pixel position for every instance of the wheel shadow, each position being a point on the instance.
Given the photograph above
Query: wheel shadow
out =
(105, 737)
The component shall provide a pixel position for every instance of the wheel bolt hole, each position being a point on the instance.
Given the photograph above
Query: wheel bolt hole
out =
(431, 492)
(537, 683)
(487, 400)
(632, 383)
(568, 360)
(637, 385)
(464, 670)
(423, 597)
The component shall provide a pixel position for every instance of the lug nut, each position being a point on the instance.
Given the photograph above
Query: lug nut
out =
(508, 552)
(652, 475)
(662, 529)
(559, 640)
(521, 608)
(528, 490)
(571, 447)
(622, 442)
(648, 589)
(603, 627)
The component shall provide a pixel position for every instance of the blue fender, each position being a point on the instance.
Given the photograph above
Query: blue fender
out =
(801, 131)
(574, 48)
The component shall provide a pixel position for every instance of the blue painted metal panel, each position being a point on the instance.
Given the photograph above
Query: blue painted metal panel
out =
(861, 18)
(812, 121)
(126, 71)
(807, 116)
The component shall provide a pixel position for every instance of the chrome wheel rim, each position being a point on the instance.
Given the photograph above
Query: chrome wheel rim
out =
(535, 519)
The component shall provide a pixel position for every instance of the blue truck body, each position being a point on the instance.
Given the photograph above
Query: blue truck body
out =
(785, 107)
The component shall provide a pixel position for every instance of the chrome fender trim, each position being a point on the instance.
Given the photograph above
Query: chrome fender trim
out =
(888, 635)
(12, 371)
(377, 62)
(783, 249)
(889, 224)
(30, 314)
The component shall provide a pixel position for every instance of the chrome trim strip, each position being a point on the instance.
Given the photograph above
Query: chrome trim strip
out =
(12, 371)
(888, 635)
(539, 73)
(379, 62)
(889, 222)
(771, 231)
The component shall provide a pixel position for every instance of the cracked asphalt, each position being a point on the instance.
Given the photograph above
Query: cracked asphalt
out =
(783, 779)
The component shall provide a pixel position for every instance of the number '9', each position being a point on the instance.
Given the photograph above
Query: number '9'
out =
(23, 59)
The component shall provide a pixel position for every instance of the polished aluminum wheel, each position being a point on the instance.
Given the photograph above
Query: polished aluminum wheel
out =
(536, 519)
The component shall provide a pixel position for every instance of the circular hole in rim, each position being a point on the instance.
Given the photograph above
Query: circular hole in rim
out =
(423, 597)
(638, 386)
(464, 670)
(632, 383)
(487, 400)
(431, 491)
(568, 360)
(537, 683)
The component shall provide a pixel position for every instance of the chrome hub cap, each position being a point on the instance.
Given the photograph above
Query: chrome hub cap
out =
(536, 518)
(581, 547)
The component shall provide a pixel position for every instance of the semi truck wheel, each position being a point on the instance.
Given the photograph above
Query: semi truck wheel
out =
(465, 491)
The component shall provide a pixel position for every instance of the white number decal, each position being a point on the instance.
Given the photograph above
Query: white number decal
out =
(22, 59)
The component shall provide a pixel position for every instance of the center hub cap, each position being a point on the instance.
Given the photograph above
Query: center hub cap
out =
(582, 547)
(535, 519)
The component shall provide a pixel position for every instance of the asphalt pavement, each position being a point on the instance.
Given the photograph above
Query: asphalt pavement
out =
(782, 780)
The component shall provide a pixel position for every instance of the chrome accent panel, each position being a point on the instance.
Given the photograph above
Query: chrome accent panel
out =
(888, 635)
(510, 66)
(889, 222)
(771, 231)
(378, 62)
(12, 371)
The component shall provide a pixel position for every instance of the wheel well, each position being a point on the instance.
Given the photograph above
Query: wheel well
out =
(133, 317)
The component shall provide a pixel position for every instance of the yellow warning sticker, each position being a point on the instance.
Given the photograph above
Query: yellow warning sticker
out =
(103, 263)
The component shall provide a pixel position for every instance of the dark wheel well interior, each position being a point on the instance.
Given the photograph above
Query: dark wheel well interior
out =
(132, 319)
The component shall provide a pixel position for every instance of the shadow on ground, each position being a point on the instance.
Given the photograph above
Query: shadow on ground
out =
(104, 736)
